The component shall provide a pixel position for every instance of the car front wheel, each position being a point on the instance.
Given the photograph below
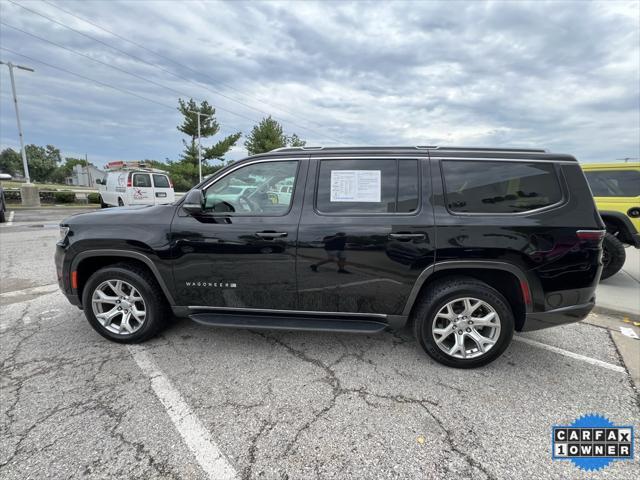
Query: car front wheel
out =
(124, 303)
(463, 323)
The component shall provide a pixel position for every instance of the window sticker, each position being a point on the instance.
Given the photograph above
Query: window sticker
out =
(356, 185)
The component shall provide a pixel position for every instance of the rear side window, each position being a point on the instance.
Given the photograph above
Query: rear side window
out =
(368, 186)
(614, 183)
(161, 181)
(141, 180)
(499, 187)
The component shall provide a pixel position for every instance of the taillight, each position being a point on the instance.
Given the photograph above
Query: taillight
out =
(129, 184)
(591, 235)
(170, 183)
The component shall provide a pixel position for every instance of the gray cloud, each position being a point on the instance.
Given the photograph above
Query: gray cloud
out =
(562, 75)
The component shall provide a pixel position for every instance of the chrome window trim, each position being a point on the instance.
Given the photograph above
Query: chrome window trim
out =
(513, 159)
(566, 194)
(246, 164)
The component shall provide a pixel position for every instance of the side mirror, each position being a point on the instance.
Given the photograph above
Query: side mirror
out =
(194, 202)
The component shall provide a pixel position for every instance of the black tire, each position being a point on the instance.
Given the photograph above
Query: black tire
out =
(102, 204)
(120, 202)
(613, 256)
(155, 302)
(447, 290)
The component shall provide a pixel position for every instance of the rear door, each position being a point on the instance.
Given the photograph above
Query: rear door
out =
(141, 191)
(366, 234)
(162, 189)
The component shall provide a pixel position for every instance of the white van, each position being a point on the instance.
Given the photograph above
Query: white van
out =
(136, 186)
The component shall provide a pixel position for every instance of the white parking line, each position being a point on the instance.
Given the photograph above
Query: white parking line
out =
(41, 289)
(567, 353)
(197, 438)
(10, 219)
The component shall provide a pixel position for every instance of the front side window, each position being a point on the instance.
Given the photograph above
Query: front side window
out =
(141, 180)
(368, 186)
(499, 187)
(253, 190)
(614, 183)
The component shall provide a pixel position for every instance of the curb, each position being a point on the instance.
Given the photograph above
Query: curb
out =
(611, 311)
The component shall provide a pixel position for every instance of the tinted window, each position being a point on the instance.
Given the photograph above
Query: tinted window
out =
(161, 181)
(499, 187)
(141, 180)
(252, 189)
(614, 183)
(368, 186)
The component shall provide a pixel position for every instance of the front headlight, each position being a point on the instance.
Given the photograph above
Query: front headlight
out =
(64, 230)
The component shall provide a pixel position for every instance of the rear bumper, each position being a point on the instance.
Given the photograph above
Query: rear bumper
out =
(556, 317)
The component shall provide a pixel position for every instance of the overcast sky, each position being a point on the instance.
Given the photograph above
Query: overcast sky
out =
(559, 75)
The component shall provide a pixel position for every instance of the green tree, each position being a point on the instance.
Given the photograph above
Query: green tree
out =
(269, 135)
(10, 162)
(42, 161)
(295, 141)
(186, 169)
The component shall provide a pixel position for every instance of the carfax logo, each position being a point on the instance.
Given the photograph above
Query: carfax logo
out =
(592, 442)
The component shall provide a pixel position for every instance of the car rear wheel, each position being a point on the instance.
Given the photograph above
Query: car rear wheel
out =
(613, 256)
(463, 322)
(124, 303)
(120, 202)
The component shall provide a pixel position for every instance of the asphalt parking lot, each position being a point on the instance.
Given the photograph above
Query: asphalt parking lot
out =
(199, 402)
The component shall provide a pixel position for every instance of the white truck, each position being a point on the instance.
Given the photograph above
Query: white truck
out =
(131, 183)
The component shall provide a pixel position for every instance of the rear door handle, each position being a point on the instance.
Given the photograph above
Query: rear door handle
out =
(407, 236)
(271, 234)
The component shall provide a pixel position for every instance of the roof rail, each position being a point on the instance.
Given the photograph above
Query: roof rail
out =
(491, 149)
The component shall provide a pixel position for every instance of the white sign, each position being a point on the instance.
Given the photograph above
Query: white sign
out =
(355, 185)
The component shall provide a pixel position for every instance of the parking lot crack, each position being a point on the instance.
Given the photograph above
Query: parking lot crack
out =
(448, 436)
(266, 427)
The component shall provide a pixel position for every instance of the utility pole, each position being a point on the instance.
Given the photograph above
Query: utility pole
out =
(15, 104)
(29, 195)
(199, 146)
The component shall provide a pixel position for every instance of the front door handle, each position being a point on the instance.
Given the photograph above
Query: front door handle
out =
(407, 236)
(271, 234)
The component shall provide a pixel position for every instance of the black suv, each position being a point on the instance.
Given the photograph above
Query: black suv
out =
(465, 245)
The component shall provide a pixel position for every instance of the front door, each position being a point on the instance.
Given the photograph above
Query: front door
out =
(240, 252)
(366, 234)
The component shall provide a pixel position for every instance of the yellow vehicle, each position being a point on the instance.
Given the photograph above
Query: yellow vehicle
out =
(616, 190)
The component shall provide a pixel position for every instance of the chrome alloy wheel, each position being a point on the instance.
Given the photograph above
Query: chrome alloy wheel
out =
(119, 307)
(466, 328)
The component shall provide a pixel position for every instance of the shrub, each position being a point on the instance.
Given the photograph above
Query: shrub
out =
(12, 196)
(93, 197)
(64, 197)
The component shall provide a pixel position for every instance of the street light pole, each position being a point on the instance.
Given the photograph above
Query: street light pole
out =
(25, 165)
(199, 114)
(199, 152)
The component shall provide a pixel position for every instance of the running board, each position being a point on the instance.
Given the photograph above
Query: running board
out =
(269, 322)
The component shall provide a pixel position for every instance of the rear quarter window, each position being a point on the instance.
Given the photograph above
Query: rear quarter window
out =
(480, 186)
